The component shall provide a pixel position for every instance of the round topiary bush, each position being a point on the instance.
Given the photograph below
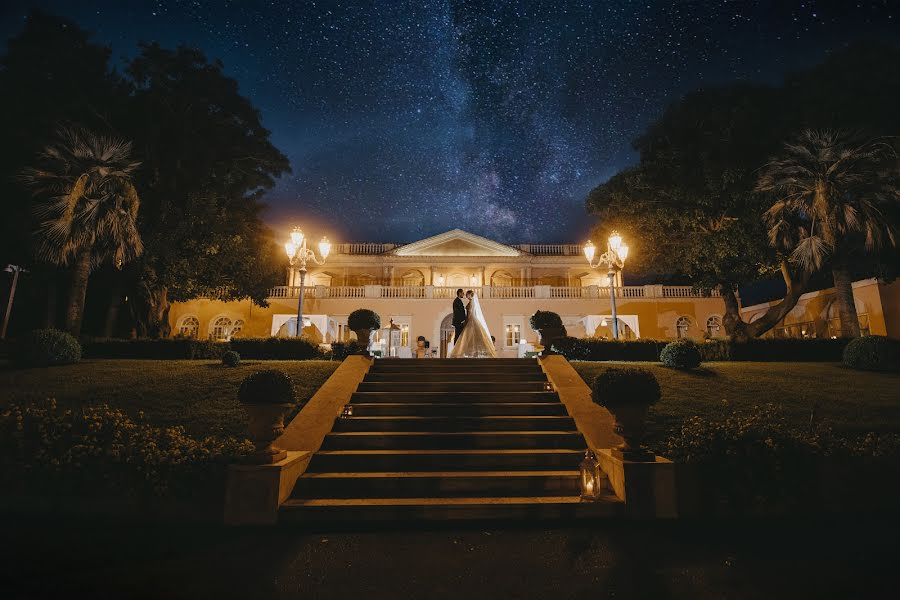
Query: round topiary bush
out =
(625, 385)
(231, 359)
(680, 354)
(267, 387)
(46, 347)
(873, 353)
(363, 318)
(545, 319)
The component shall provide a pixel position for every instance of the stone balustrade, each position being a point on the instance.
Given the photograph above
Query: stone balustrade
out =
(429, 292)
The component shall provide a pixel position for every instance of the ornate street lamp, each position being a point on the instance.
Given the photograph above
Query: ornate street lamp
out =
(15, 270)
(299, 254)
(614, 260)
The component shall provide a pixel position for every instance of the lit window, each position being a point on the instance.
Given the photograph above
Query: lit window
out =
(681, 327)
(513, 334)
(236, 328)
(221, 328)
(189, 327)
(714, 326)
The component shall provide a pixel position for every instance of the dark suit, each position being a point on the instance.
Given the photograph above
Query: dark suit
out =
(459, 318)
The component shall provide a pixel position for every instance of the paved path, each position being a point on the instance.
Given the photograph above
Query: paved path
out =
(624, 560)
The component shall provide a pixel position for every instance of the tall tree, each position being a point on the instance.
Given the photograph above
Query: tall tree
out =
(52, 75)
(689, 205)
(207, 161)
(88, 208)
(832, 194)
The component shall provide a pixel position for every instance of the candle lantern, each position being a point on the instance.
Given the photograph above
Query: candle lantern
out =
(548, 387)
(591, 480)
(390, 336)
(348, 411)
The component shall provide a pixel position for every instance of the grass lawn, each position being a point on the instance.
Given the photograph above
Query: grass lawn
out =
(199, 394)
(849, 401)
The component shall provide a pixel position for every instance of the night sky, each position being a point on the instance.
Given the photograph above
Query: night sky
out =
(405, 119)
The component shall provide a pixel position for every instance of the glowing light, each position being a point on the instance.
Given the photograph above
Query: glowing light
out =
(290, 249)
(615, 241)
(440, 280)
(297, 236)
(623, 252)
(589, 250)
(473, 280)
(325, 247)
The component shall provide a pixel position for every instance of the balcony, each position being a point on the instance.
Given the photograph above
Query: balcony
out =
(373, 249)
(430, 292)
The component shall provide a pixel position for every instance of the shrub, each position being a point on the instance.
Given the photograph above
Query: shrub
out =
(363, 318)
(626, 384)
(162, 349)
(273, 348)
(341, 350)
(231, 359)
(764, 350)
(46, 347)
(681, 354)
(873, 353)
(94, 449)
(545, 319)
(267, 387)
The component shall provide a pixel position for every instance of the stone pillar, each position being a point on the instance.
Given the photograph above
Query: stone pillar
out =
(372, 291)
(522, 276)
(391, 276)
(542, 291)
(429, 291)
(430, 276)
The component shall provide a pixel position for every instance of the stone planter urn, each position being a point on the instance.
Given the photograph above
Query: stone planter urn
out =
(550, 335)
(363, 339)
(363, 322)
(628, 393)
(266, 397)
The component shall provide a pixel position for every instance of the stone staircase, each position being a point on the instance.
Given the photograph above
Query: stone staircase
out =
(448, 439)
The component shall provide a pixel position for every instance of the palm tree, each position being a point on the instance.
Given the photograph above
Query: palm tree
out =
(831, 194)
(88, 208)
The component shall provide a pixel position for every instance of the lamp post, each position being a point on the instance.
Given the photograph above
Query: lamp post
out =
(614, 260)
(299, 254)
(15, 270)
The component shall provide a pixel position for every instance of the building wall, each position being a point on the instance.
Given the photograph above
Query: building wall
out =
(816, 314)
(656, 318)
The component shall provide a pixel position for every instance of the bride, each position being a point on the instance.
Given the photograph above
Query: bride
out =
(475, 339)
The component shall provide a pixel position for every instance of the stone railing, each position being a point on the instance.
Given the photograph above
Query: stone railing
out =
(428, 292)
(550, 249)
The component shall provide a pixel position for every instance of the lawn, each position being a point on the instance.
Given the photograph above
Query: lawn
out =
(849, 401)
(199, 394)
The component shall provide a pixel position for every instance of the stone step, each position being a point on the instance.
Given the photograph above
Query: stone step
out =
(455, 424)
(446, 460)
(465, 397)
(367, 440)
(457, 409)
(445, 484)
(522, 508)
(451, 386)
(461, 376)
(384, 367)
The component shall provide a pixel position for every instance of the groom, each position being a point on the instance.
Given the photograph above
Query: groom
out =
(459, 315)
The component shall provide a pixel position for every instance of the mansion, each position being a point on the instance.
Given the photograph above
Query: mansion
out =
(413, 286)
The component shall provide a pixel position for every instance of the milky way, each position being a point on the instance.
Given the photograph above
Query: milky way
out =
(404, 119)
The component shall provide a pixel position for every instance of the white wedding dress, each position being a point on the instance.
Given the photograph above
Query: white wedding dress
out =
(475, 339)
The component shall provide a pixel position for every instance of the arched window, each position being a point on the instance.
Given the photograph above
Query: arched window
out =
(236, 327)
(714, 326)
(189, 327)
(221, 328)
(681, 327)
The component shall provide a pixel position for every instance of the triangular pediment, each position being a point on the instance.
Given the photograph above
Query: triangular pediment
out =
(456, 243)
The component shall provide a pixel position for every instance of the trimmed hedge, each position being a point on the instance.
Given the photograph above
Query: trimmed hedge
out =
(45, 347)
(189, 349)
(764, 350)
(231, 359)
(680, 354)
(267, 387)
(873, 353)
(625, 385)
(273, 348)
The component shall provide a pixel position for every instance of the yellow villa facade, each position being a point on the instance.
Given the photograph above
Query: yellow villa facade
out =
(413, 286)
